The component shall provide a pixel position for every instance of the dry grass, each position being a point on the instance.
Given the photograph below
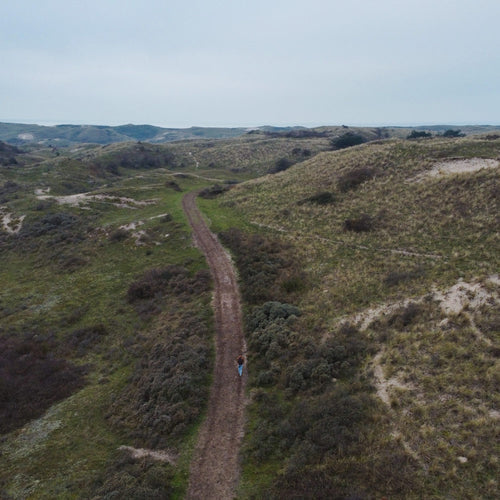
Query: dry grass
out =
(440, 369)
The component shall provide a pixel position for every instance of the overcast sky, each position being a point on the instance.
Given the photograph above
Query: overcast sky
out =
(250, 62)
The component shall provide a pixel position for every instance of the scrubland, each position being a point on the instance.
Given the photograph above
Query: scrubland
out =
(370, 287)
(365, 382)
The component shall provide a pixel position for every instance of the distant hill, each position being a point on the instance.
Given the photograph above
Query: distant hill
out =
(67, 135)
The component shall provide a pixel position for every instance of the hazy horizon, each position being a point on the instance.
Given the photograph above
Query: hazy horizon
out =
(246, 64)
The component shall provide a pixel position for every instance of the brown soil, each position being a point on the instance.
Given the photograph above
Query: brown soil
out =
(214, 470)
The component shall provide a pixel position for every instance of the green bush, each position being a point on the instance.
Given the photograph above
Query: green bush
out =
(353, 178)
(268, 268)
(134, 479)
(281, 165)
(322, 198)
(453, 133)
(213, 191)
(361, 224)
(169, 387)
(174, 279)
(418, 134)
(32, 379)
(347, 140)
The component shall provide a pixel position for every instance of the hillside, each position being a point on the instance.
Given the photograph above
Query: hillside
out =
(66, 135)
(386, 382)
(370, 289)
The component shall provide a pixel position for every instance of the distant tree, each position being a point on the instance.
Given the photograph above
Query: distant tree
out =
(418, 134)
(347, 140)
(453, 133)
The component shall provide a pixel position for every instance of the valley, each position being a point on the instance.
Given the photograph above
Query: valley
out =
(366, 297)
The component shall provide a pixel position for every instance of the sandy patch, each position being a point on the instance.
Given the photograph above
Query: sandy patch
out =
(10, 223)
(79, 199)
(158, 216)
(458, 166)
(26, 137)
(160, 455)
(464, 296)
(364, 318)
(459, 298)
(384, 385)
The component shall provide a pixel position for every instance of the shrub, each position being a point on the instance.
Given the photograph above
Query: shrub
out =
(281, 165)
(148, 291)
(168, 389)
(405, 315)
(83, 340)
(363, 223)
(301, 152)
(264, 266)
(322, 198)
(347, 140)
(32, 379)
(394, 278)
(154, 281)
(173, 185)
(353, 178)
(126, 477)
(418, 134)
(453, 133)
(118, 235)
(9, 187)
(213, 191)
(55, 229)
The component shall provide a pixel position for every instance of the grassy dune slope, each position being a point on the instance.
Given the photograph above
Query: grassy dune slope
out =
(387, 382)
(371, 294)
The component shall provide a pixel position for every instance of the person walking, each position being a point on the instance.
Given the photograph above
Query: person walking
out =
(240, 360)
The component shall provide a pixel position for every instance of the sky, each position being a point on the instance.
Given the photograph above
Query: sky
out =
(250, 62)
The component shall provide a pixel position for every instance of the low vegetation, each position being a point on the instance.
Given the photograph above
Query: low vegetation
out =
(366, 380)
(32, 379)
(99, 299)
(321, 371)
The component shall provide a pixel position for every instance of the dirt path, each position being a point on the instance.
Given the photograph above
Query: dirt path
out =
(214, 469)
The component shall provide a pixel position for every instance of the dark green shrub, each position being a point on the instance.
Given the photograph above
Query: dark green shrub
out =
(119, 235)
(148, 292)
(32, 379)
(270, 312)
(83, 340)
(264, 266)
(281, 165)
(168, 390)
(322, 198)
(363, 223)
(405, 315)
(453, 133)
(51, 223)
(353, 178)
(347, 140)
(213, 191)
(418, 134)
(135, 479)
(173, 185)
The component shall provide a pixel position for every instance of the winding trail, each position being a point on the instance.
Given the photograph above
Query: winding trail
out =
(214, 470)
